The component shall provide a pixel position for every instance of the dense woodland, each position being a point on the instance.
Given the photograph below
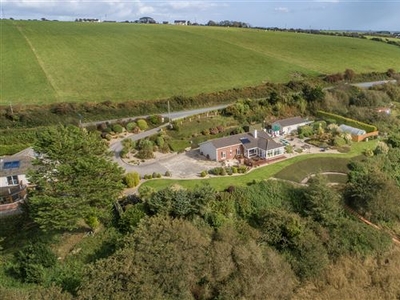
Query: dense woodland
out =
(268, 240)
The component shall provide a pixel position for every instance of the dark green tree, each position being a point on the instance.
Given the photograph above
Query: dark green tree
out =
(321, 202)
(74, 179)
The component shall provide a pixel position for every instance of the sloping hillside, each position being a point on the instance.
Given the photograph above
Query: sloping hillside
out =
(46, 62)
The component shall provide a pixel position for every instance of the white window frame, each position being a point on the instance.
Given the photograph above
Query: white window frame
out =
(12, 180)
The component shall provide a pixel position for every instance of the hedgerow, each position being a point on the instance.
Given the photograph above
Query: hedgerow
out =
(350, 122)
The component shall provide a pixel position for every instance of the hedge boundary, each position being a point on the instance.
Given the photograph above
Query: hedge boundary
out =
(349, 122)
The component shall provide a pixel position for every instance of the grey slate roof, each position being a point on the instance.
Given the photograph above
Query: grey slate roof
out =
(25, 159)
(291, 121)
(263, 141)
(25, 163)
(231, 140)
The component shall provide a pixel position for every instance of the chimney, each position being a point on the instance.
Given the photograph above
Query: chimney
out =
(255, 133)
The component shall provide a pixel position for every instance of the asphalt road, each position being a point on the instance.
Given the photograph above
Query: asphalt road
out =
(173, 115)
(155, 166)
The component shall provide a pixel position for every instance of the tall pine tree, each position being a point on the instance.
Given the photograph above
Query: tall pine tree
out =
(75, 180)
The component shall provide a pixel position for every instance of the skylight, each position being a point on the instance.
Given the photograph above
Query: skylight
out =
(11, 165)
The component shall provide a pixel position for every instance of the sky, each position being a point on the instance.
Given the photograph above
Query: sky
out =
(311, 14)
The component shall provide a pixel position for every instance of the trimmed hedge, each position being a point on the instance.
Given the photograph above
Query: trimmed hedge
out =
(349, 122)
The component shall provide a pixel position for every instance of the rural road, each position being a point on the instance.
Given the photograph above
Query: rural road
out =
(157, 166)
(366, 85)
(173, 115)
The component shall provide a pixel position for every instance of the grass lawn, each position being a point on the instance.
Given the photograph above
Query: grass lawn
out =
(261, 173)
(301, 169)
(45, 62)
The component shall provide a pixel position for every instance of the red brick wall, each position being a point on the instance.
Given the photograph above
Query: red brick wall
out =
(230, 152)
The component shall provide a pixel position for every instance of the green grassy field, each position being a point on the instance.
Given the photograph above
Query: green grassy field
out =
(43, 62)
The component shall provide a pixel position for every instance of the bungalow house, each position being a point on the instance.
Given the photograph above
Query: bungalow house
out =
(13, 181)
(286, 126)
(257, 144)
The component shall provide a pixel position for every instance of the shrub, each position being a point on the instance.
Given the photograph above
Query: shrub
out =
(132, 179)
(117, 128)
(142, 124)
(205, 132)
(31, 261)
(131, 126)
(305, 131)
(223, 172)
(92, 222)
(123, 153)
(339, 141)
(167, 174)
(214, 131)
(156, 175)
(242, 169)
(234, 170)
(289, 149)
(203, 174)
(155, 119)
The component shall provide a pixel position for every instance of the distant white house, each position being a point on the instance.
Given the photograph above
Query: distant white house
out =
(181, 22)
(286, 126)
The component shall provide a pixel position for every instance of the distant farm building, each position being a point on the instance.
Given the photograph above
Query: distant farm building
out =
(147, 20)
(181, 22)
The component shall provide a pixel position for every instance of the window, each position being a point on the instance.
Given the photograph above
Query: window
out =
(12, 180)
(238, 151)
(223, 154)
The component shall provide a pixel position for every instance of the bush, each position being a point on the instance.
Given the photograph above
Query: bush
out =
(92, 222)
(339, 141)
(167, 174)
(132, 179)
(203, 174)
(117, 128)
(155, 119)
(242, 169)
(131, 126)
(205, 132)
(305, 131)
(142, 124)
(156, 175)
(289, 149)
(31, 261)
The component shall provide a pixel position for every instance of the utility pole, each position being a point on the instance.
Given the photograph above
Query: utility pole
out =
(169, 116)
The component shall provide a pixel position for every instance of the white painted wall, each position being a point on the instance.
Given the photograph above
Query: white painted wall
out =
(208, 148)
(4, 181)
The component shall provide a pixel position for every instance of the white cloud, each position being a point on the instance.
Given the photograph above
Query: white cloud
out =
(282, 9)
